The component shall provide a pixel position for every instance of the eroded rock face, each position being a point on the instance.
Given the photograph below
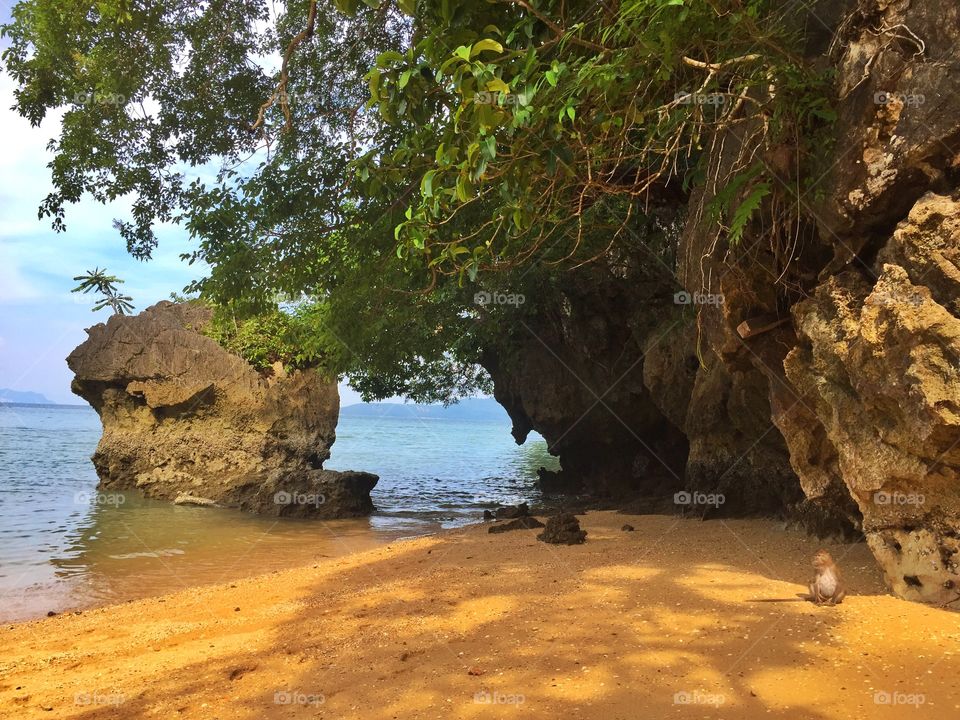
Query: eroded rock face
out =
(881, 363)
(574, 372)
(898, 132)
(843, 412)
(183, 417)
(862, 381)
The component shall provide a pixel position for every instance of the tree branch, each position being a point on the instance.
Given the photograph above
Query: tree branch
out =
(281, 92)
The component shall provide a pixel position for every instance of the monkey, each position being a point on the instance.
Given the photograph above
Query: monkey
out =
(827, 585)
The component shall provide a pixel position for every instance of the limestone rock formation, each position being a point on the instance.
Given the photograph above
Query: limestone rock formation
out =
(183, 417)
(881, 364)
(573, 371)
(845, 415)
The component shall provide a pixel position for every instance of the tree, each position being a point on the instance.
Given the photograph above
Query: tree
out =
(98, 281)
(401, 155)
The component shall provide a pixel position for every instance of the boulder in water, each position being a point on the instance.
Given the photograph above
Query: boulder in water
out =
(184, 418)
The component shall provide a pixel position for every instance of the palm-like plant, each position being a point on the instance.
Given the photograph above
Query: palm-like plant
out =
(98, 281)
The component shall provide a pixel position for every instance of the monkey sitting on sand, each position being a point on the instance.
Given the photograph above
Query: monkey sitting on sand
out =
(827, 585)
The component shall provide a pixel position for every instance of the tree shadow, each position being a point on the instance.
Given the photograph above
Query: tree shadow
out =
(669, 621)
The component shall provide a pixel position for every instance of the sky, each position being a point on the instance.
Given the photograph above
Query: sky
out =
(41, 321)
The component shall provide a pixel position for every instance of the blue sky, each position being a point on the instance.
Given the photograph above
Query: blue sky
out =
(40, 320)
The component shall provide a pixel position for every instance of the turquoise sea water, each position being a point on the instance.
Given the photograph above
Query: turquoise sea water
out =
(61, 548)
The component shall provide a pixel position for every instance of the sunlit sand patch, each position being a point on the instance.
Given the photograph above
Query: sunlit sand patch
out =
(675, 660)
(583, 684)
(805, 688)
(722, 584)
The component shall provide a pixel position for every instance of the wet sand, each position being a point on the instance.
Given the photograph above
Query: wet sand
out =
(679, 619)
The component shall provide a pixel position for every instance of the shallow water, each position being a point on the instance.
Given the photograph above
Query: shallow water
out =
(63, 545)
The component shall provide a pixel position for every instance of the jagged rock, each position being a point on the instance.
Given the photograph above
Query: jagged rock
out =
(487, 515)
(573, 372)
(185, 499)
(898, 124)
(827, 509)
(183, 417)
(563, 529)
(512, 511)
(881, 365)
(553, 482)
(521, 523)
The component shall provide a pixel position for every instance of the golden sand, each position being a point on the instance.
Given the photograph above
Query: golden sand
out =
(679, 619)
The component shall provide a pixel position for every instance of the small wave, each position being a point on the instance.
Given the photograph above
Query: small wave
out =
(154, 554)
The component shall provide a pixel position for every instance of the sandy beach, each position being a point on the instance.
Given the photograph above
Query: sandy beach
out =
(679, 618)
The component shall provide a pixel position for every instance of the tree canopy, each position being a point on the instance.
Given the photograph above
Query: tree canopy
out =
(388, 160)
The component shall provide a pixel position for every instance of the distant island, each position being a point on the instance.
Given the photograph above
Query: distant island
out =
(485, 409)
(22, 396)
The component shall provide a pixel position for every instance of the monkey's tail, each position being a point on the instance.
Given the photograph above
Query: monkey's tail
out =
(801, 597)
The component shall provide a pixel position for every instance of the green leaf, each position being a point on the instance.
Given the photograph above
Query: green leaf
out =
(489, 147)
(464, 188)
(498, 85)
(426, 184)
(745, 212)
(462, 52)
(388, 58)
(404, 79)
(373, 79)
(491, 45)
(551, 76)
(347, 7)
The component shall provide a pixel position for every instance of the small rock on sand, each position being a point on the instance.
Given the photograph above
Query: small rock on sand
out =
(521, 523)
(512, 511)
(563, 529)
